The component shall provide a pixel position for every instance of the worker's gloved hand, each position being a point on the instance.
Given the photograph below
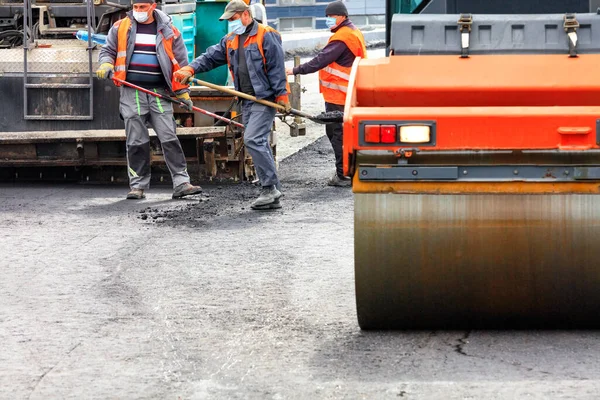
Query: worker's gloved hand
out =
(185, 98)
(285, 103)
(183, 75)
(105, 71)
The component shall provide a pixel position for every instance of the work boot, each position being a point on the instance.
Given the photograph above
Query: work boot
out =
(339, 181)
(136, 194)
(186, 189)
(268, 199)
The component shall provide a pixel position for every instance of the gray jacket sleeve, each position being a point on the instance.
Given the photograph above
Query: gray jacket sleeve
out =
(275, 63)
(214, 57)
(108, 52)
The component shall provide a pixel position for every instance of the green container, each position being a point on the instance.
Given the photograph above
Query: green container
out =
(406, 6)
(209, 31)
(186, 24)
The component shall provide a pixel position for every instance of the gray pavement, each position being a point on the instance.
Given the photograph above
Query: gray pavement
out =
(102, 298)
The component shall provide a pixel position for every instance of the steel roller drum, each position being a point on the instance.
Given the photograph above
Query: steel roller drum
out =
(435, 261)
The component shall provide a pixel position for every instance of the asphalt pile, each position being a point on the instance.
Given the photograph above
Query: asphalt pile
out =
(303, 177)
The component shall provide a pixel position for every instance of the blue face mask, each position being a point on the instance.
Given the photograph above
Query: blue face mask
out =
(330, 22)
(237, 27)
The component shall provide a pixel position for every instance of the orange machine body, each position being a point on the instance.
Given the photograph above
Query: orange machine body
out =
(484, 102)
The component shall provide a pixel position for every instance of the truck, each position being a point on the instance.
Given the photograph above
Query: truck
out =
(474, 149)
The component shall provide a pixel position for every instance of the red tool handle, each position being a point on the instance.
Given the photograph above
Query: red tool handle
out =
(167, 98)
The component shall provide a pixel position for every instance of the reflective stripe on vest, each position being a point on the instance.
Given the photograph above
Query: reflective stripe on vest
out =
(334, 86)
(337, 73)
(333, 79)
(168, 45)
(124, 26)
(121, 61)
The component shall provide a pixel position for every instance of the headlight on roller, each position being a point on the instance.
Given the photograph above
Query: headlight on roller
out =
(415, 134)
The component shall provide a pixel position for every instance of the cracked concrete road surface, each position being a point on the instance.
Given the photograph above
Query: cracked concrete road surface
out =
(102, 298)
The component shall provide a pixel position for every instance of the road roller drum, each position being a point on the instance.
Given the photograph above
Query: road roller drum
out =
(477, 260)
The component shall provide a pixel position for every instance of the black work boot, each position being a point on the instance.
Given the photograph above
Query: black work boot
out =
(268, 199)
(186, 189)
(339, 181)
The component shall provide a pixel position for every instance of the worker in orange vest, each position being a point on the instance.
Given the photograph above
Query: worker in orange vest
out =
(334, 63)
(254, 55)
(144, 48)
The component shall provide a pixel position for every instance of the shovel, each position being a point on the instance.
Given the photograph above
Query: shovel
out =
(332, 117)
(167, 98)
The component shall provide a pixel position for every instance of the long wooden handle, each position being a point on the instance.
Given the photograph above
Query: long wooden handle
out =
(181, 103)
(252, 98)
(238, 94)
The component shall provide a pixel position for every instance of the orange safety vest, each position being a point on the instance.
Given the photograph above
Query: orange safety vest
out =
(234, 44)
(333, 79)
(124, 26)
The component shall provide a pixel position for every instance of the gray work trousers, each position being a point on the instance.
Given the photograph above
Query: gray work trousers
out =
(258, 120)
(136, 108)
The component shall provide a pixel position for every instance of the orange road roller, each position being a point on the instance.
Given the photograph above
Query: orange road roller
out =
(475, 155)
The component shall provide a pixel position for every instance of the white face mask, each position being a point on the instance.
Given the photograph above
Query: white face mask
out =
(331, 22)
(140, 16)
(237, 27)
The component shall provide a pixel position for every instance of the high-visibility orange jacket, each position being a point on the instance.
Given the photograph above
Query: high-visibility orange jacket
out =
(170, 48)
(264, 58)
(333, 79)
